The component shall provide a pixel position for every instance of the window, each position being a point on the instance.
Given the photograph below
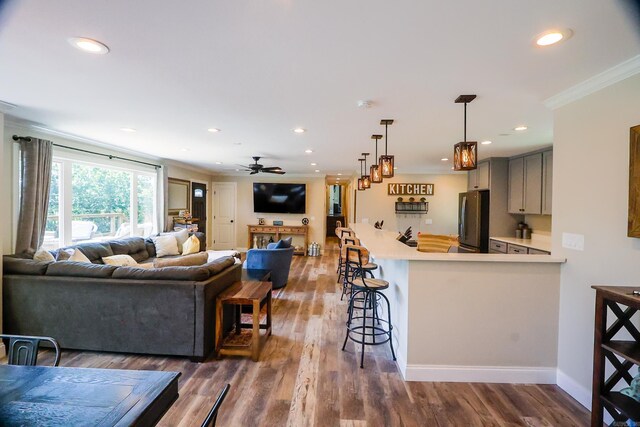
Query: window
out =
(93, 202)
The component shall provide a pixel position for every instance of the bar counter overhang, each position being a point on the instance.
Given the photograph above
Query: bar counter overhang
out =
(469, 317)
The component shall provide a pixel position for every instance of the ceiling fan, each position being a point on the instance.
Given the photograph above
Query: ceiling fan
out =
(256, 167)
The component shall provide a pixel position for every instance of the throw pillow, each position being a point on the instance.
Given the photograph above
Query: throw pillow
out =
(191, 246)
(284, 243)
(183, 261)
(181, 237)
(120, 260)
(63, 255)
(78, 256)
(166, 245)
(43, 256)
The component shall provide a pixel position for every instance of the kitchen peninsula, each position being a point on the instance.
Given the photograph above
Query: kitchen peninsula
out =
(469, 316)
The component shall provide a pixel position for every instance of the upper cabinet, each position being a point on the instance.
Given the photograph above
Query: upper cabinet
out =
(547, 179)
(478, 179)
(526, 185)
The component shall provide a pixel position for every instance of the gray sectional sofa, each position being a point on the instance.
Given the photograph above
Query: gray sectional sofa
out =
(161, 311)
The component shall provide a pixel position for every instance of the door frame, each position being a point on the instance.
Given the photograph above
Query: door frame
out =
(235, 211)
(208, 224)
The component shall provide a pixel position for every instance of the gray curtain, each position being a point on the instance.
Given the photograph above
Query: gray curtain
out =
(35, 174)
(162, 185)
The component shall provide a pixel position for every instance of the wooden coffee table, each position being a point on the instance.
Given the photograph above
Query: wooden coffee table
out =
(255, 294)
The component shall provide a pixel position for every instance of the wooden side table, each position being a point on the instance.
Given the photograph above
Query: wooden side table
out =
(252, 293)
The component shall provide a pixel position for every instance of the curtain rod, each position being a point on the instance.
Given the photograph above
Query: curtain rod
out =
(110, 156)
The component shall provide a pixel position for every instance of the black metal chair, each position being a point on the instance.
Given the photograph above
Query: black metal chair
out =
(23, 349)
(210, 421)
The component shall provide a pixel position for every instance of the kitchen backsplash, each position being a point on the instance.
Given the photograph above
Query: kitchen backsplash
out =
(540, 224)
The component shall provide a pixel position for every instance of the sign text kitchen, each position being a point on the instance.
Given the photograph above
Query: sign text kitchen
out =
(397, 189)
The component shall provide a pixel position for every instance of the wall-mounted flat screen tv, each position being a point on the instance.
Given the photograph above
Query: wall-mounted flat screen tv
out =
(279, 198)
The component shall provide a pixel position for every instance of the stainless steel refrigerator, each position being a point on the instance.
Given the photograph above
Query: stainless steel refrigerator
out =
(473, 221)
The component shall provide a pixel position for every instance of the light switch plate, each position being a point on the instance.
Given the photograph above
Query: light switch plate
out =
(428, 221)
(573, 241)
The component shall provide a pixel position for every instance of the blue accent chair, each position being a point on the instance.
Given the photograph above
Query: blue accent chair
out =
(276, 258)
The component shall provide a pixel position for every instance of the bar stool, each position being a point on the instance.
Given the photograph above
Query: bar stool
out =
(342, 232)
(367, 328)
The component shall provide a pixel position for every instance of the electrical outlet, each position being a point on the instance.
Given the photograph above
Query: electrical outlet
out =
(428, 221)
(573, 241)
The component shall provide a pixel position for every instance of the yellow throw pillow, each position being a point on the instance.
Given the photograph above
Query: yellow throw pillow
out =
(191, 246)
(120, 261)
(78, 256)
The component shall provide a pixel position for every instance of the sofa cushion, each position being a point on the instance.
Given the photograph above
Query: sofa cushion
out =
(43, 256)
(218, 265)
(184, 261)
(134, 246)
(95, 251)
(121, 260)
(78, 256)
(283, 243)
(166, 245)
(196, 274)
(181, 237)
(191, 246)
(15, 265)
(80, 269)
(151, 247)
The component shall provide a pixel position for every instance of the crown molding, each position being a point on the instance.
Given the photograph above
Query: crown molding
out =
(608, 77)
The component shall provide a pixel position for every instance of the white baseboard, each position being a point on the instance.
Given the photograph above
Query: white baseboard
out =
(575, 390)
(480, 374)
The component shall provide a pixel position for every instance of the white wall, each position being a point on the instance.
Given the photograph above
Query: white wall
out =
(590, 190)
(4, 212)
(375, 205)
(316, 206)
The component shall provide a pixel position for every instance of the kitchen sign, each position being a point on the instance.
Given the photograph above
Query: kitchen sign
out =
(410, 189)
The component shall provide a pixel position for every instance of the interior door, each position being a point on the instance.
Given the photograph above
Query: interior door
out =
(224, 215)
(199, 205)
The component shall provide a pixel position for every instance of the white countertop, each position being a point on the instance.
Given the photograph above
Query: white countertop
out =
(382, 244)
(539, 243)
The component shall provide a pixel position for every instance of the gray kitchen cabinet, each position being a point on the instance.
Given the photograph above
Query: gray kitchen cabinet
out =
(538, 252)
(547, 180)
(517, 249)
(525, 184)
(478, 179)
(497, 247)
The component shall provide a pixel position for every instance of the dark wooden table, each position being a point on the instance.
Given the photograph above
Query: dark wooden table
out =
(248, 292)
(55, 396)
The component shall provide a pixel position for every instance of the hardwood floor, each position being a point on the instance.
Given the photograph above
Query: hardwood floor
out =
(304, 379)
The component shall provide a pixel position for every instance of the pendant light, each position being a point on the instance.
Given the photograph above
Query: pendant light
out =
(376, 174)
(465, 153)
(366, 179)
(386, 160)
(360, 180)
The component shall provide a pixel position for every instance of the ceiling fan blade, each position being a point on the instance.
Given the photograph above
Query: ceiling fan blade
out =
(278, 172)
(273, 168)
(253, 172)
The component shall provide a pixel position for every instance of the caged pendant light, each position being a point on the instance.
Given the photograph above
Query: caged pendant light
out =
(386, 160)
(375, 172)
(366, 179)
(465, 153)
(360, 180)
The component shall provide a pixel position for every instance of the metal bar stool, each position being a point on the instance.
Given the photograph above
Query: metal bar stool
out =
(366, 327)
(342, 232)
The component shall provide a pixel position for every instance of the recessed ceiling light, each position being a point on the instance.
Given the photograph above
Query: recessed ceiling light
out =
(218, 163)
(314, 164)
(395, 167)
(337, 179)
(317, 170)
(552, 37)
(486, 142)
(339, 174)
(128, 130)
(308, 151)
(89, 45)
(213, 130)
(184, 149)
(452, 168)
(520, 128)
(444, 159)
(237, 170)
(299, 130)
